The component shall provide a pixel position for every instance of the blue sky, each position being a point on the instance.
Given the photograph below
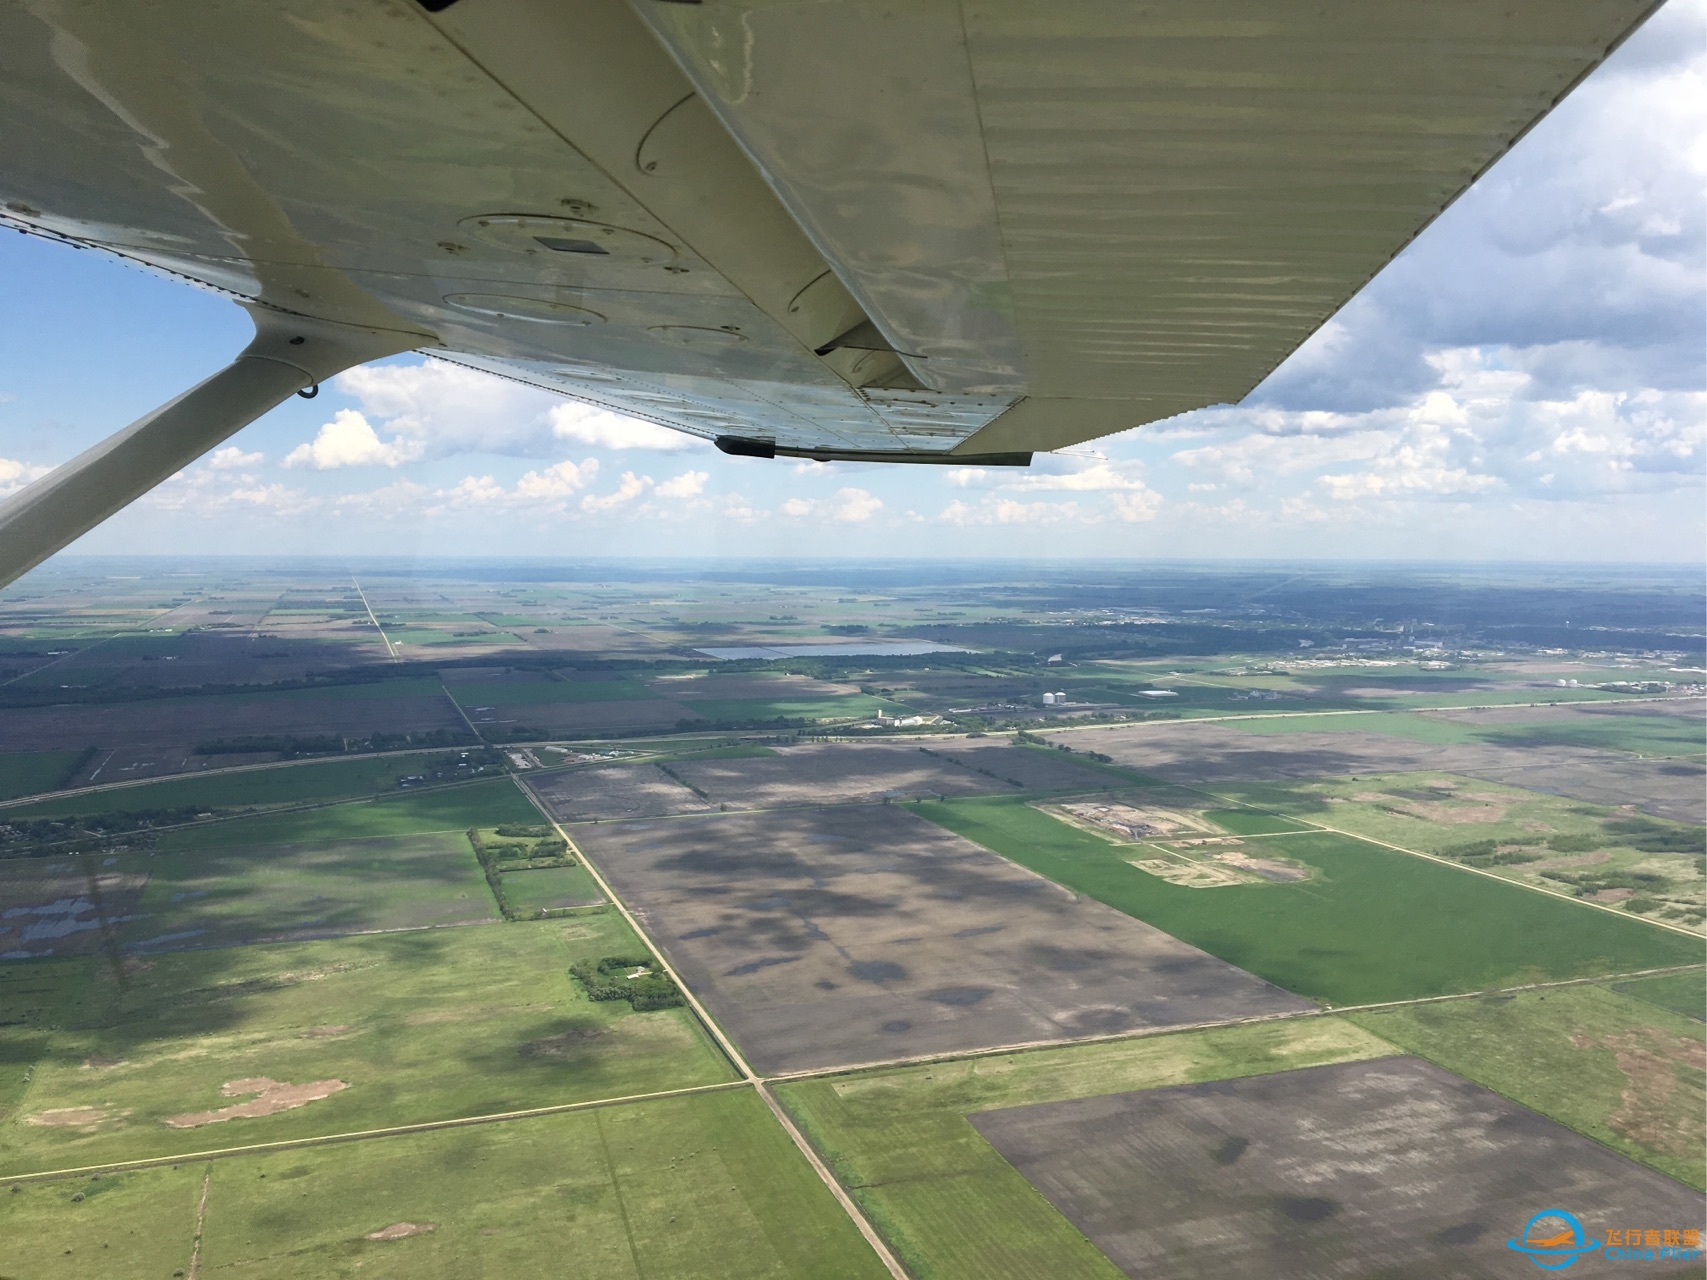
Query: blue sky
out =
(1525, 382)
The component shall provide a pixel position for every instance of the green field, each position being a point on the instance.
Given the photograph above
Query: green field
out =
(1560, 844)
(948, 1203)
(231, 896)
(1616, 1068)
(249, 788)
(1371, 925)
(505, 693)
(1611, 730)
(700, 1187)
(1684, 993)
(1649, 735)
(28, 773)
(548, 887)
(476, 804)
(1397, 724)
(420, 1026)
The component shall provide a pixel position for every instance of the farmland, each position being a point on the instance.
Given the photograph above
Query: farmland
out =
(1373, 925)
(1645, 866)
(1619, 1069)
(233, 895)
(250, 788)
(828, 937)
(988, 962)
(416, 1026)
(1313, 1172)
(705, 1186)
(951, 1205)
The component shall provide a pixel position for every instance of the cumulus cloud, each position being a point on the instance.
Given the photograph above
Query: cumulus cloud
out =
(350, 441)
(438, 409)
(231, 458)
(15, 475)
(1129, 496)
(586, 424)
(689, 484)
(442, 409)
(627, 490)
(557, 481)
(848, 506)
(1489, 425)
(1007, 511)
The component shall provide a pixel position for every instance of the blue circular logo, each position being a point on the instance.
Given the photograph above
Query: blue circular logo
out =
(1553, 1239)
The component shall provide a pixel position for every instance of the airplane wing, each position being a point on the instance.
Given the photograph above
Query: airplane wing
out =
(897, 230)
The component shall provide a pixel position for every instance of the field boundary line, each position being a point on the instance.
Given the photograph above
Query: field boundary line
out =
(1149, 1033)
(186, 775)
(390, 649)
(849, 1206)
(478, 736)
(201, 1225)
(364, 1135)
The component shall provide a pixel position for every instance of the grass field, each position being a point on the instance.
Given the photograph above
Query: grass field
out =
(282, 784)
(700, 1188)
(231, 896)
(1371, 925)
(1621, 1070)
(946, 1200)
(1565, 845)
(548, 887)
(28, 773)
(1648, 735)
(420, 1026)
(1396, 724)
(1684, 993)
(1653, 735)
(478, 804)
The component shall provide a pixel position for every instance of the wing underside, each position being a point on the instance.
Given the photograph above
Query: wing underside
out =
(943, 228)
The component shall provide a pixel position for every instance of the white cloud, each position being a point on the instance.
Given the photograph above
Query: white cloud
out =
(627, 490)
(854, 506)
(848, 506)
(1007, 511)
(597, 428)
(557, 481)
(1130, 498)
(1074, 476)
(443, 409)
(738, 508)
(15, 475)
(349, 441)
(689, 484)
(231, 458)
(1136, 507)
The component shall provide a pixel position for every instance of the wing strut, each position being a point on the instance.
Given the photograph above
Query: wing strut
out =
(289, 354)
